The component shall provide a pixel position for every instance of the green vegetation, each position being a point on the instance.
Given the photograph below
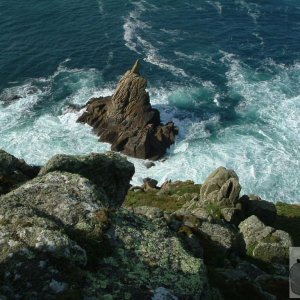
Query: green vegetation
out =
(288, 219)
(214, 210)
(169, 199)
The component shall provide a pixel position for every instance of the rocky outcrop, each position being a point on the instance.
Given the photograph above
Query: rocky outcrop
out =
(63, 235)
(128, 122)
(60, 240)
(264, 242)
(14, 172)
(51, 228)
(108, 171)
(221, 187)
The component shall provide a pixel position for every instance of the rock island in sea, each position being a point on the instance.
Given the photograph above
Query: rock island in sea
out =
(127, 121)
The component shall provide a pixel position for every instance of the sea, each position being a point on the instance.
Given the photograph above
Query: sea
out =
(227, 72)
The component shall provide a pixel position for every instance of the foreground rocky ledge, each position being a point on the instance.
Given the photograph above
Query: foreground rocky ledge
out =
(64, 235)
(128, 122)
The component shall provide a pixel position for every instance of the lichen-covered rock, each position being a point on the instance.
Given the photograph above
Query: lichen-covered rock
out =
(127, 120)
(14, 172)
(232, 215)
(146, 256)
(108, 171)
(50, 228)
(221, 187)
(264, 242)
(219, 241)
(264, 210)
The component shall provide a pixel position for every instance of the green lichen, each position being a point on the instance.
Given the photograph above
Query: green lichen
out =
(149, 255)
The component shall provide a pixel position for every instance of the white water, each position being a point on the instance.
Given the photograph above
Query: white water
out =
(264, 149)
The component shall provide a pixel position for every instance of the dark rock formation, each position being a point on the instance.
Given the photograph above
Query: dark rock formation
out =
(264, 210)
(14, 172)
(128, 122)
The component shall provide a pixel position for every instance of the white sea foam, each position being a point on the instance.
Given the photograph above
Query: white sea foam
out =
(264, 149)
(217, 5)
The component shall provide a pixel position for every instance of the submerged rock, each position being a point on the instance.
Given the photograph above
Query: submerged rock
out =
(108, 171)
(14, 172)
(128, 122)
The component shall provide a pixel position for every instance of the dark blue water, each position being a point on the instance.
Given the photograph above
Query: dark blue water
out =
(227, 72)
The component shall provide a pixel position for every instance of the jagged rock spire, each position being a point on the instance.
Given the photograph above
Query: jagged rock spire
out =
(136, 67)
(128, 121)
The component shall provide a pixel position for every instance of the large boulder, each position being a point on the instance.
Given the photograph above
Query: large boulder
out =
(219, 242)
(128, 122)
(51, 229)
(263, 242)
(221, 187)
(14, 172)
(108, 171)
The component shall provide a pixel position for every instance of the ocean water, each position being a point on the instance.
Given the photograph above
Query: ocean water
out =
(226, 72)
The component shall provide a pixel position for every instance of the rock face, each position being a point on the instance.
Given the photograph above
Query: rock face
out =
(50, 228)
(151, 257)
(221, 187)
(59, 239)
(14, 172)
(128, 122)
(264, 242)
(108, 171)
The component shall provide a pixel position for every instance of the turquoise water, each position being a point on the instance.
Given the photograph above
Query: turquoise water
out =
(227, 72)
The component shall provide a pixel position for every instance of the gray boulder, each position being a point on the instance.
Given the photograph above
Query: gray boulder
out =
(109, 171)
(14, 172)
(51, 228)
(221, 187)
(219, 242)
(264, 242)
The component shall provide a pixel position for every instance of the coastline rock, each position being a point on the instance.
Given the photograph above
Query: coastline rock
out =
(128, 122)
(221, 187)
(149, 184)
(219, 241)
(263, 242)
(146, 256)
(108, 171)
(14, 172)
(50, 229)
